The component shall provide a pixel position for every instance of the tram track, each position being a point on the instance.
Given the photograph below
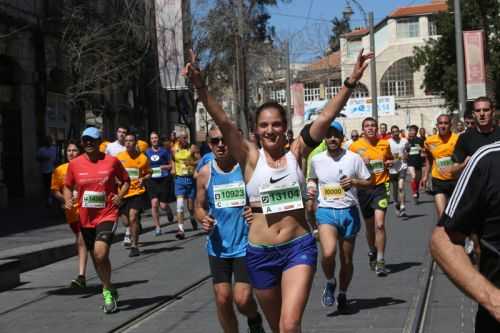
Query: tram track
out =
(422, 307)
(142, 317)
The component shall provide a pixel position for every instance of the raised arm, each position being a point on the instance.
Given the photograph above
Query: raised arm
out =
(240, 148)
(321, 124)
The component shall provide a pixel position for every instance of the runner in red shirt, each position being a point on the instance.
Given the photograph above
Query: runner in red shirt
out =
(94, 175)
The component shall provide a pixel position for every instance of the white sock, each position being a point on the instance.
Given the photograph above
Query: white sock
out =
(127, 231)
(332, 281)
(380, 256)
(181, 227)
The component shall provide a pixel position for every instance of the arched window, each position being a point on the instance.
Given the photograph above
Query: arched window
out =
(360, 91)
(398, 79)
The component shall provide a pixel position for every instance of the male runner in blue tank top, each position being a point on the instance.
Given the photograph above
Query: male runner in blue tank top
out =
(219, 206)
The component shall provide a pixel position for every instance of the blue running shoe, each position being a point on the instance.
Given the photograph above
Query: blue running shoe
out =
(328, 297)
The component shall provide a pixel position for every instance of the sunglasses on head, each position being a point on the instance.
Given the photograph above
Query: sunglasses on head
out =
(215, 141)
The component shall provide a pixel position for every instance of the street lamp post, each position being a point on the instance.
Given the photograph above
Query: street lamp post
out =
(460, 59)
(368, 18)
(288, 85)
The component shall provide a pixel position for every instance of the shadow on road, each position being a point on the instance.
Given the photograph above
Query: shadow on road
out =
(151, 243)
(136, 303)
(396, 268)
(356, 305)
(413, 216)
(162, 249)
(92, 290)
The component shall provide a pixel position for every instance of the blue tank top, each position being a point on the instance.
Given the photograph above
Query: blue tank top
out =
(157, 158)
(230, 234)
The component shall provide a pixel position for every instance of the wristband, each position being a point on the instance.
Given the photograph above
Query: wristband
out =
(349, 85)
(306, 136)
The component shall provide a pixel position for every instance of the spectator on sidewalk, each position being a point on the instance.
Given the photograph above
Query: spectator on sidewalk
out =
(46, 157)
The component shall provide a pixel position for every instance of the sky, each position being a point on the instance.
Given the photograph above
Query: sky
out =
(307, 22)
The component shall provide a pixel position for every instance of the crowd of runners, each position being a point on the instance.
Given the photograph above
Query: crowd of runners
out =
(264, 201)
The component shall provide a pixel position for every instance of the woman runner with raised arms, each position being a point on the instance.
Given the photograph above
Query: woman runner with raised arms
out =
(281, 253)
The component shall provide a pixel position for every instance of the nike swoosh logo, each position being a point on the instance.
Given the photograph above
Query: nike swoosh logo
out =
(272, 181)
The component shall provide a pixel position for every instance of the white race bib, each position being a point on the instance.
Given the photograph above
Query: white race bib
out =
(377, 166)
(444, 162)
(156, 172)
(331, 192)
(133, 173)
(230, 195)
(92, 199)
(280, 198)
(415, 150)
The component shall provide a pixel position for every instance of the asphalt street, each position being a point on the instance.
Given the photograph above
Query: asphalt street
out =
(168, 289)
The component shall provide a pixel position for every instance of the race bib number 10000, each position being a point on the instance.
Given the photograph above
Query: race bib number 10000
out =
(92, 199)
(331, 192)
(229, 195)
(280, 198)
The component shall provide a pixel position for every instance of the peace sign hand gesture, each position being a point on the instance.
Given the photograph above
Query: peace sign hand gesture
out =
(360, 66)
(193, 72)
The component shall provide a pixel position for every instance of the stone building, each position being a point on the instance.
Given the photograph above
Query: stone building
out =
(33, 81)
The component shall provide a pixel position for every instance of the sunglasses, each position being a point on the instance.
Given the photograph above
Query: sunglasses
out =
(484, 110)
(216, 141)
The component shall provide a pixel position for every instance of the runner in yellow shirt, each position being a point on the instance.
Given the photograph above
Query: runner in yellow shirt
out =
(373, 200)
(72, 217)
(135, 201)
(439, 150)
(185, 160)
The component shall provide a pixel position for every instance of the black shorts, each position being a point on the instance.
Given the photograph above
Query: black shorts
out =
(102, 232)
(137, 202)
(371, 198)
(445, 187)
(223, 269)
(158, 188)
(485, 322)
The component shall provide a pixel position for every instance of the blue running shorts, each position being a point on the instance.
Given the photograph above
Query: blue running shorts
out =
(184, 186)
(346, 220)
(266, 263)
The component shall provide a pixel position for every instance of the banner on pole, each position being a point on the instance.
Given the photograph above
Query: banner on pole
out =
(475, 70)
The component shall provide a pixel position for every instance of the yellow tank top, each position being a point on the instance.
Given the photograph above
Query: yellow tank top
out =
(183, 162)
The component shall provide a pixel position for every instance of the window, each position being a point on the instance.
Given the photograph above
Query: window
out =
(332, 89)
(407, 28)
(398, 80)
(432, 27)
(279, 96)
(360, 91)
(311, 92)
(353, 48)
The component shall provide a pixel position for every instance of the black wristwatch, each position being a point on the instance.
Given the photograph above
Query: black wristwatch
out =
(349, 85)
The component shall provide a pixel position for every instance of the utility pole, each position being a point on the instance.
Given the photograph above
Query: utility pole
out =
(288, 85)
(241, 72)
(459, 43)
(373, 68)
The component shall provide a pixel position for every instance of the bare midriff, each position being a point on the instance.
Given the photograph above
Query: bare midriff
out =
(278, 228)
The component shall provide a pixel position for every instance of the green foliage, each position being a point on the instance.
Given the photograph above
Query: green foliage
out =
(215, 31)
(339, 27)
(438, 57)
